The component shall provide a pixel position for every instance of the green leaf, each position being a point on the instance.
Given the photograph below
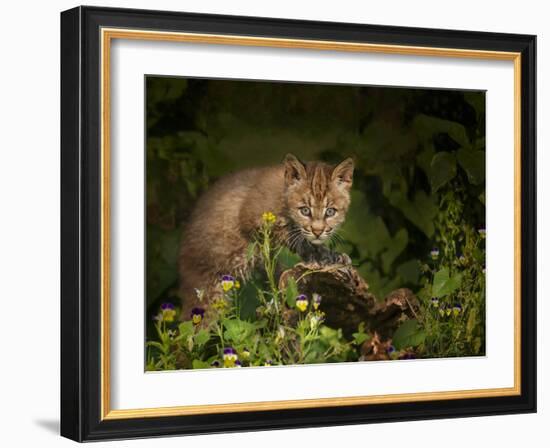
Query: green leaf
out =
(358, 218)
(248, 299)
(379, 237)
(238, 330)
(424, 159)
(479, 143)
(409, 271)
(409, 334)
(360, 337)
(481, 198)
(250, 251)
(379, 285)
(444, 284)
(477, 345)
(291, 292)
(425, 294)
(472, 320)
(473, 162)
(156, 344)
(427, 126)
(162, 248)
(331, 336)
(202, 337)
(421, 211)
(476, 100)
(198, 364)
(396, 245)
(186, 329)
(442, 169)
(287, 259)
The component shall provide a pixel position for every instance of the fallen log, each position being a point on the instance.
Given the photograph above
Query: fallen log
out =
(347, 301)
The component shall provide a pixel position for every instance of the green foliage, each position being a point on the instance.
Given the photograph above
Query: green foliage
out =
(444, 284)
(202, 337)
(453, 295)
(409, 334)
(186, 330)
(419, 183)
(227, 340)
(442, 169)
(420, 211)
(291, 292)
(473, 162)
(162, 261)
(359, 337)
(409, 271)
(237, 331)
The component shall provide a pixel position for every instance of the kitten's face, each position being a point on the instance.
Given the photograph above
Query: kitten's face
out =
(317, 197)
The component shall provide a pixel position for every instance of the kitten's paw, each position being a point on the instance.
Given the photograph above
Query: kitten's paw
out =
(336, 258)
(324, 256)
(342, 259)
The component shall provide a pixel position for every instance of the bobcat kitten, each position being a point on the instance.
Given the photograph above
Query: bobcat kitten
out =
(310, 201)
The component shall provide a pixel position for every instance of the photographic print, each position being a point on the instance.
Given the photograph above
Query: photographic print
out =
(257, 201)
(303, 223)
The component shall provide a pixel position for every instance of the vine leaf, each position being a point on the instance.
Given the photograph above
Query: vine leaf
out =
(442, 169)
(409, 334)
(291, 292)
(238, 330)
(198, 364)
(473, 162)
(202, 337)
(444, 284)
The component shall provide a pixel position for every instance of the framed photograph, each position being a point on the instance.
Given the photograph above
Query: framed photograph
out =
(276, 224)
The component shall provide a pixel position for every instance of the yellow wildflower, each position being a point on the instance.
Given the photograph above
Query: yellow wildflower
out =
(197, 315)
(230, 357)
(219, 303)
(268, 217)
(302, 302)
(228, 282)
(167, 312)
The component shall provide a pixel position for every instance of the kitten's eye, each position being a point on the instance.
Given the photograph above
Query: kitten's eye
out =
(305, 211)
(330, 212)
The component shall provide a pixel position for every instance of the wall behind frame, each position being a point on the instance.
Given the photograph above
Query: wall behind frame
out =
(29, 228)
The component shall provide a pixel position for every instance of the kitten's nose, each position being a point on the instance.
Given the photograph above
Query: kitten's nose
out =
(317, 233)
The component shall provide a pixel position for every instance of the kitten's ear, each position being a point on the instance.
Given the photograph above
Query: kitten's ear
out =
(343, 173)
(295, 171)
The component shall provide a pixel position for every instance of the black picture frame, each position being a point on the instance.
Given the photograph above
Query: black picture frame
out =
(81, 224)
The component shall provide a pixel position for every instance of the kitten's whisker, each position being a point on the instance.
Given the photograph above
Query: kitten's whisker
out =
(293, 239)
(339, 238)
(333, 240)
(295, 236)
(292, 233)
(290, 242)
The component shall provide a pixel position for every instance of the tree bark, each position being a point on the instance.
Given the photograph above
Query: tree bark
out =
(347, 301)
